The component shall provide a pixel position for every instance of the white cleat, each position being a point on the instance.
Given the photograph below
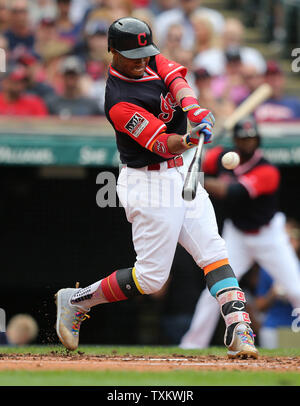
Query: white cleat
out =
(69, 318)
(243, 343)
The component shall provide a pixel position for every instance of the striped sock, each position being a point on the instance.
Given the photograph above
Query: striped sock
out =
(219, 275)
(120, 285)
(223, 285)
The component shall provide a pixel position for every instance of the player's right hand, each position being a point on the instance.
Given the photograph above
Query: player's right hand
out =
(191, 139)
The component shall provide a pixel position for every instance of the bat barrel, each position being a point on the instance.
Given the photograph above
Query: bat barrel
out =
(190, 186)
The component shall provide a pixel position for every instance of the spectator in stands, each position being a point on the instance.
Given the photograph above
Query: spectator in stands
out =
(13, 98)
(181, 15)
(252, 77)
(41, 9)
(35, 81)
(96, 90)
(4, 15)
(205, 35)
(93, 49)
(78, 10)
(234, 35)
(19, 33)
(145, 14)
(207, 97)
(279, 107)
(110, 10)
(94, 55)
(214, 59)
(271, 298)
(67, 30)
(141, 3)
(50, 50)
(119, 8)
(159, 6)
(172, 41)
(230, 86)
(72, 102)
(47, 37)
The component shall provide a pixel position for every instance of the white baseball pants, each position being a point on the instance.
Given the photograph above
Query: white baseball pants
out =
(271, 249)
(161, 218)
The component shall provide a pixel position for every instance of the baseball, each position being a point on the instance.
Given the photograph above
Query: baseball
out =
(230, 160)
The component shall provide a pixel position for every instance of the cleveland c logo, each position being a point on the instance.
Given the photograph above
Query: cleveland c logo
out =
(142, 39)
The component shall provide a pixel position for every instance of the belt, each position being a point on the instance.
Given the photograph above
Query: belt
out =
(256, 231)
(172, 163)
(252, 232)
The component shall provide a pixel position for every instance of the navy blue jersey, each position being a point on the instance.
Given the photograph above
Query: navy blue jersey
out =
(141, 109)
(252, 198)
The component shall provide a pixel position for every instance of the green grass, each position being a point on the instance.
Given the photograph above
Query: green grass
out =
(131, 378)
(174, 377)
(139, 350)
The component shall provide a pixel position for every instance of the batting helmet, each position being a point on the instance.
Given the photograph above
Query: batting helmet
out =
(132, 38)
(246, 128)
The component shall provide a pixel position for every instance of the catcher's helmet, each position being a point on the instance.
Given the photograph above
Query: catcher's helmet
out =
(246, 128)
(132, 38)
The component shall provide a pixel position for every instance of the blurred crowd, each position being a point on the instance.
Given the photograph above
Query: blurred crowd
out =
(57, 58)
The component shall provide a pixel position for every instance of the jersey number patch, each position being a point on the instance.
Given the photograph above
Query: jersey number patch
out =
(136, 124)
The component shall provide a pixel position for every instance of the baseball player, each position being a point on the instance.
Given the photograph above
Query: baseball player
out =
(254, 229)
(148, 102)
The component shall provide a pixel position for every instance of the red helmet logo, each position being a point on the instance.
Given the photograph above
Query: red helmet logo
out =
(142, 39)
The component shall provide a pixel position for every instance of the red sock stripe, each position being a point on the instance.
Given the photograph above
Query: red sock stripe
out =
(111, 289)
(115, 287)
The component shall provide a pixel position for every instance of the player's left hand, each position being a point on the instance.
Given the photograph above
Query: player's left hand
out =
(198, 116)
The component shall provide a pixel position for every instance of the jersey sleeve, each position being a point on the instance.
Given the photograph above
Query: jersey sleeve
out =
(210, 162)
(137, 123)
(168, 69)
(262, 180)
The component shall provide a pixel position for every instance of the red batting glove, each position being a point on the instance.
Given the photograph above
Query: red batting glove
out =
(196, 115)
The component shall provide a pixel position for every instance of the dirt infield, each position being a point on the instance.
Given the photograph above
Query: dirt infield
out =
(80, 361)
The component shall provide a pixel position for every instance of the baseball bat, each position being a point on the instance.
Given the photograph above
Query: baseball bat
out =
(261, 94)
(192, 178)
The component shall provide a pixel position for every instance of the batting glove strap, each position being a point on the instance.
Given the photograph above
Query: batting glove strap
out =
(186, 141)
(191, 107)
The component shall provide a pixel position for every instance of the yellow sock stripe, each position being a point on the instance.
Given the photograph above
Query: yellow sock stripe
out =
(111, 291)
(136, 282)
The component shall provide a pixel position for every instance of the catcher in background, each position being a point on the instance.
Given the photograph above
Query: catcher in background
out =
(254, 228)
(148, 102)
